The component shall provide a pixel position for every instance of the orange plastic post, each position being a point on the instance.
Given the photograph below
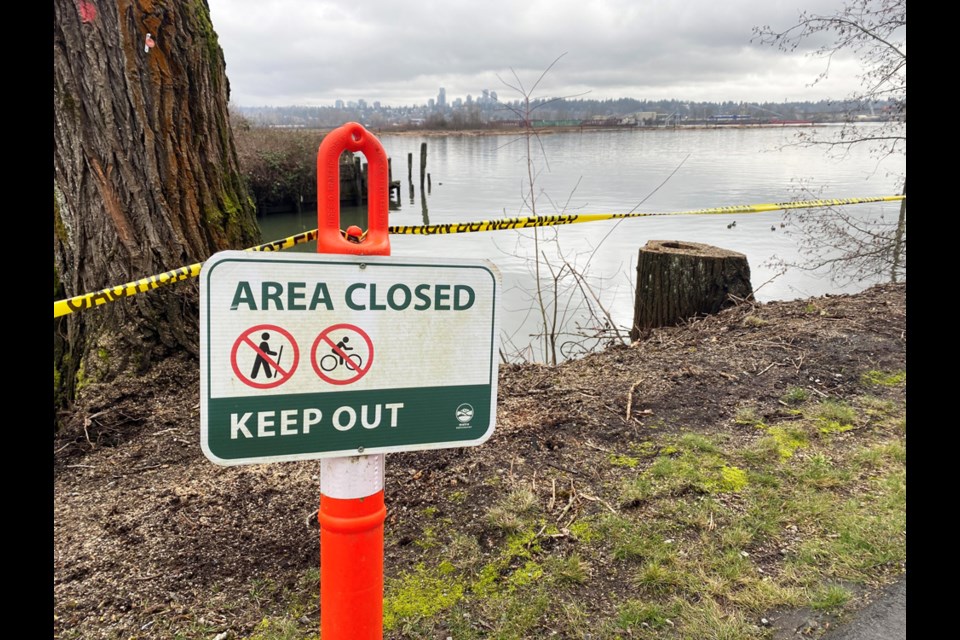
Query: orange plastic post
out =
(352, 137)
(352, 509)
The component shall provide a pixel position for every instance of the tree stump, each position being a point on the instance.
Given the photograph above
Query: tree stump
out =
(677, 281)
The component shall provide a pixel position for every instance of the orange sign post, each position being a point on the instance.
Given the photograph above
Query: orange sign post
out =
(352, 509)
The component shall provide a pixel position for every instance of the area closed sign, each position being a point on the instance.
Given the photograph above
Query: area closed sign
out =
(307, 356)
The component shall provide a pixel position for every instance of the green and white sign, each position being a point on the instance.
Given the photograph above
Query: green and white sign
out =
(308, 356)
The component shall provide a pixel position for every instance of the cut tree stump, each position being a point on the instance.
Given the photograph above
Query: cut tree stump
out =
(677, 281)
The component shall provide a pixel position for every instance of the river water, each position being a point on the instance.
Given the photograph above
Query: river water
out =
(484, 177)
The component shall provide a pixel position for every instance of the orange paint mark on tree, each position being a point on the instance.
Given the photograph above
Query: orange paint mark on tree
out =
(112, 204)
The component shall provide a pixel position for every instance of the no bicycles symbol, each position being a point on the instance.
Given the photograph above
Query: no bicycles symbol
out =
(258, 359)
(342, 354)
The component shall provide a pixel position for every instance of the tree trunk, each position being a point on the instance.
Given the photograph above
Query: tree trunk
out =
(677, 281)
(146, 177)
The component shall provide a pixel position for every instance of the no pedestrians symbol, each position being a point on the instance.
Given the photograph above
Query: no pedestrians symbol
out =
(264, 356)
(342, 354)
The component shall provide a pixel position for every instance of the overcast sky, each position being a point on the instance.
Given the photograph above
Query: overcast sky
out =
(306, 52)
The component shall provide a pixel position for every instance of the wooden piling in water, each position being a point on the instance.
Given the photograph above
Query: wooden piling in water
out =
(423, 163)
(358, 182)
(410, 170)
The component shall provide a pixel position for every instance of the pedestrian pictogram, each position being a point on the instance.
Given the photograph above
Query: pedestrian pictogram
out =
(342, 354)
(264, 356)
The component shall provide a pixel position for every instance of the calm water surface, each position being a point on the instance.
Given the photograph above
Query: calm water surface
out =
(477, 178)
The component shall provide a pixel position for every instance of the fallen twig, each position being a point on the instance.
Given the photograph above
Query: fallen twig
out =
(595, 446)
(630, 398)
(768, 367)
(600, 500)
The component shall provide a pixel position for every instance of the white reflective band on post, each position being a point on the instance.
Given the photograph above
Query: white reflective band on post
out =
(352, 477)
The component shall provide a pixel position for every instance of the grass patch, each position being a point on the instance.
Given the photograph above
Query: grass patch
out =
(718, 533)
(747, 416)
(636, 615)
(795, 396)
(512, 513)
(830, 598)
(570, 570)
(278, 629)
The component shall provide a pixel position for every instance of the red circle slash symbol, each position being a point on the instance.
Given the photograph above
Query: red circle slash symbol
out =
(343, 359)
(265, 351)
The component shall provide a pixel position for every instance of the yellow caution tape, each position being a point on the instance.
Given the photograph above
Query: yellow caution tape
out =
(549, 221)
(87, 300)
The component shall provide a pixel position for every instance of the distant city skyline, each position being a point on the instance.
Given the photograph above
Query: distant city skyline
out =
(286, 52)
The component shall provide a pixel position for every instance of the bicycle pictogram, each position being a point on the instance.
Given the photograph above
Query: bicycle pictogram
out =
(342, 354)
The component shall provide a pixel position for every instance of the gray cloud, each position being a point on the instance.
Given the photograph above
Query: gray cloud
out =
(282, 52)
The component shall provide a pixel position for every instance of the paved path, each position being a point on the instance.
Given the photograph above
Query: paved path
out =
(883, 619)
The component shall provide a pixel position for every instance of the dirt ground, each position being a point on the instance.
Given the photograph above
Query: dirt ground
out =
(151, 540)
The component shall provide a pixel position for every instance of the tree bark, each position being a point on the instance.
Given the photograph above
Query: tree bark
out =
(146, 177)
(677, 281)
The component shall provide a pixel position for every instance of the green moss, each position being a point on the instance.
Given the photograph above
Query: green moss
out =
(787, 440)
(833, 426)
(496, 576)
(732, 479)
(584, 531)
(212, 43)
(420, 594)
(835, 417)
(59, 229)
(213, 215)
(884, 378)
(530, 573)
(486, 582)
(82, 380)
(429, 540)
(623, 461)
(646, 449)
(67, 103)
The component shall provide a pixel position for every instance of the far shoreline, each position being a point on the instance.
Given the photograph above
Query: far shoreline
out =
(476, 133)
